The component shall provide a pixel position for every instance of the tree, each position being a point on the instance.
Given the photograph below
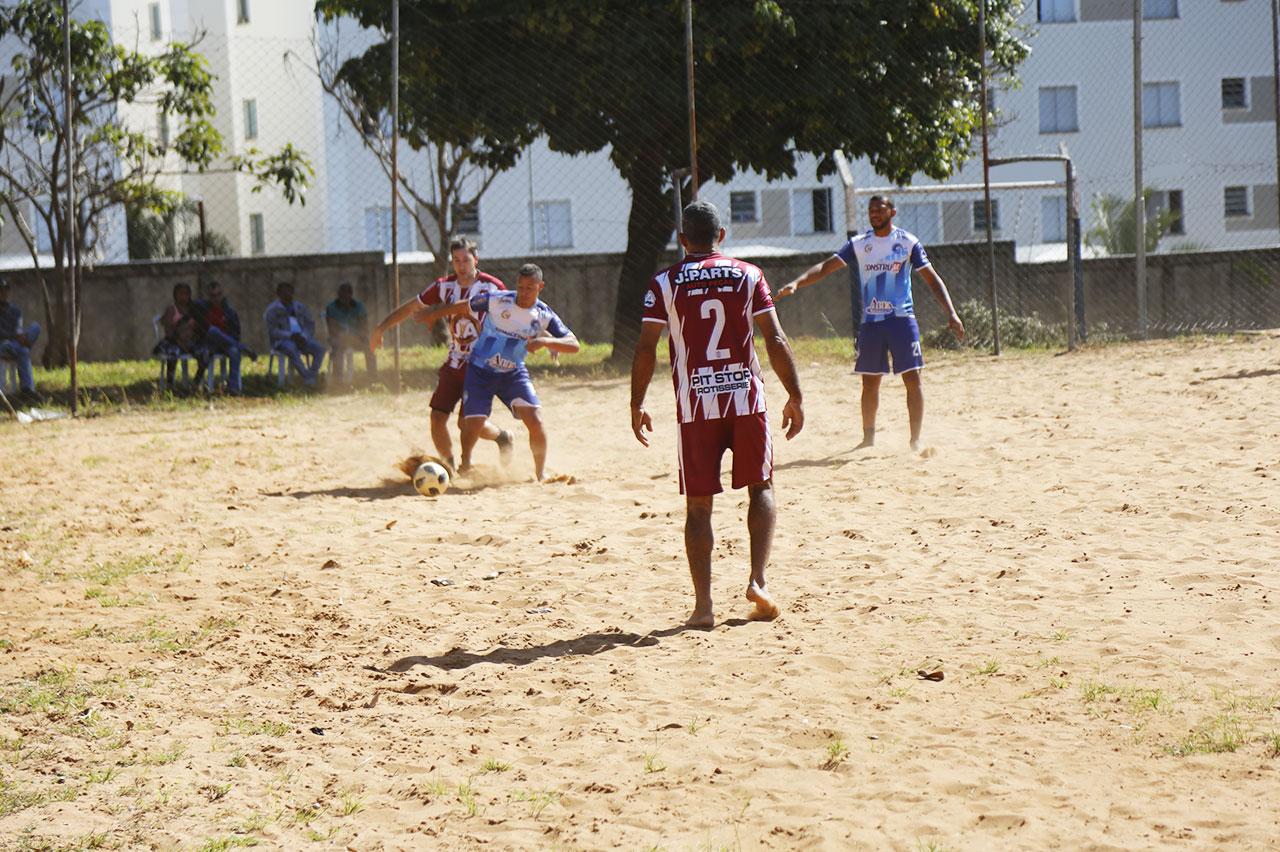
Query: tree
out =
(896, 83)
(448, 178)
(171, 233)
(114, 164)
(1113, 232)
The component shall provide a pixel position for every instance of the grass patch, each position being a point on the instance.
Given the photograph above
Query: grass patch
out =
(1224, 733)
(251, 728)
(492, 765)
(14, 798)
(989, 668)
(163, 757)
(231, 841)
(539, 800)
(837, 753)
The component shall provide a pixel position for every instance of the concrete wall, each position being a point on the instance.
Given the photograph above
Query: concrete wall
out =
(1205, 291)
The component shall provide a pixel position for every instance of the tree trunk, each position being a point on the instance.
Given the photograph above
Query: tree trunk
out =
(56, 352)
(649, 230)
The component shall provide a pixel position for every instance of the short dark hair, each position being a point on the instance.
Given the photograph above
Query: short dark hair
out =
(700, 223)
(462, 243)
(210, 286)
(530, 270)
(886, 200)
(280, 285)
(181, 286)
(345, 285)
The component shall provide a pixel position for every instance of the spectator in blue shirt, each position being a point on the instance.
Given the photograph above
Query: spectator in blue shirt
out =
(16, 341)
(293, 333)
(348, 323)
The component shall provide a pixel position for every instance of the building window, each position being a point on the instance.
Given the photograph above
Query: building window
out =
(257, 234)
(251, 119)
(980, 216)
(1234, 93)
(552, 225)
(157, 31)
(1053, 219)
(377, 229)
(1160, 105)
(162, 128)
(1177, 222)
(811, 211)
(1155, 10)
(742, 207)
(822, 211)
(242, 11)
(1058, 109)
(466, 218)
(1057, 11)
(1235, 201)
(921, 219)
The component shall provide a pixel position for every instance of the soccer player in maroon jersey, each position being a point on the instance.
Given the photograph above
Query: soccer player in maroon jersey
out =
(466, 282)
(708, 303)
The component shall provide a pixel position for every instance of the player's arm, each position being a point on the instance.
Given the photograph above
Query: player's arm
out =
(783, 362)
(566, 345)
(939, 288)
(812, 275)
(641, 374)
(413, 308)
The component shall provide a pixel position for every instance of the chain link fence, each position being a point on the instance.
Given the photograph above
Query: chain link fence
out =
(284, 75)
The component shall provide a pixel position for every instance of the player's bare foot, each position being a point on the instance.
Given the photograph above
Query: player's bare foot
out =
(915, 446)
(701, 620)
(765, 609)
(506, 446)
(866, 442)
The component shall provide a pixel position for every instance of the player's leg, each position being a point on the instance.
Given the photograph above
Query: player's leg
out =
(477, 404)
(753, 470)
(471, 427)
(872, 363)
(698, 541)
(441, 438)
(531, 417)
(915, 405)
(450, 383)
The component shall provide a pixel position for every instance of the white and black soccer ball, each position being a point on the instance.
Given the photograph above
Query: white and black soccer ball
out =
(431, 479)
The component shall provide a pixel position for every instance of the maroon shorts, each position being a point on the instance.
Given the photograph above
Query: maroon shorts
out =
(702, 444)
(448, 388)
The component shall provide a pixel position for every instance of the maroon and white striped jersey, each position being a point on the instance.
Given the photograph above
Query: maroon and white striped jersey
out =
(463, 328)
(709, 303)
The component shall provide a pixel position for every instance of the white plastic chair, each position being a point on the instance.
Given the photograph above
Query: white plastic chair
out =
(8, 374)
(278, 362)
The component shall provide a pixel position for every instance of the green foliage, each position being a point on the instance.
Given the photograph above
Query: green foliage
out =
(1016, 332)
(171, 233)
(592, 75)
(1113, 229)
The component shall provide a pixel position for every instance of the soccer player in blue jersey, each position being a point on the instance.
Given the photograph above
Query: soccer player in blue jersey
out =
(515, 324)
(882, 260)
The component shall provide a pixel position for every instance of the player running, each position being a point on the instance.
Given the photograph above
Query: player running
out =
(512, 326)
(707, 303)
(466, 282)
(882, 260)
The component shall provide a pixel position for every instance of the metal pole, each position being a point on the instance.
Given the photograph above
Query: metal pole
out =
(204, 234)
(395, 176)
(72, 218)
(850, 231)
(1139, 206)
(693, 119)
(1275, 79)
(676, 177)
(986, 182)
(1073, 257)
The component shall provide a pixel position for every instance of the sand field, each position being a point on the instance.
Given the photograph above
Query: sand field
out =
(240, 626)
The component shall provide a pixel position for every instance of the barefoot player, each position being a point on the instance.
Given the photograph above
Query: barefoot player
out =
(466, 282)
(882, 260)
(708, 303)
(513, 325)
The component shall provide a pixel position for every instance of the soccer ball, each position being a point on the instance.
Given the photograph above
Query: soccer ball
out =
(431, 479)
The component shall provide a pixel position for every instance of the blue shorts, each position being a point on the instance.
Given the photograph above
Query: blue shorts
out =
(898, 337)
(481, 385)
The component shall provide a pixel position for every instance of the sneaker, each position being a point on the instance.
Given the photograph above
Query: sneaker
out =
(506, 446)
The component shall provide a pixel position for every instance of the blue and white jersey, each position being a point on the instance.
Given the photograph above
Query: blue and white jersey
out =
(883, 267)
(503, 340)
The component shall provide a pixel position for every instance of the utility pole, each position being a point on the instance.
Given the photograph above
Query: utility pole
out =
(693, 118)
(395, 176)
(73, 217)
(1139, 205)
(986, 183)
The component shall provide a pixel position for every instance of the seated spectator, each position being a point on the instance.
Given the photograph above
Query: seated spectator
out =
(348, 323)
(182, 332)
(16, 342)
(293, 333)
(221, 327)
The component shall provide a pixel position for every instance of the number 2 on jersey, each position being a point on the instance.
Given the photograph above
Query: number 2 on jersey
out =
(709, 307)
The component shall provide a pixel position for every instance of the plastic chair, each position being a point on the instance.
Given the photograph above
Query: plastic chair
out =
(278, 362)
(8, 374)
(219, 363)
(168, 356)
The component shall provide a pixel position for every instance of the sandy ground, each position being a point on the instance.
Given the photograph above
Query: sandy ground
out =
(220, 628)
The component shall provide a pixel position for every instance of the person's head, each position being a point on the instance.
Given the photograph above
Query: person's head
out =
(463, 256)
(880, 212)
(529, 284)
(284, 292)
(213, 292)
(700, 229)
(4, 291)
(182, 295)
(345, 294)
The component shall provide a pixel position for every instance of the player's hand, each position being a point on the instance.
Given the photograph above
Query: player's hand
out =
(957, 327)
(535, 343)
(792, 417)
(640, 423)
(788, 289)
